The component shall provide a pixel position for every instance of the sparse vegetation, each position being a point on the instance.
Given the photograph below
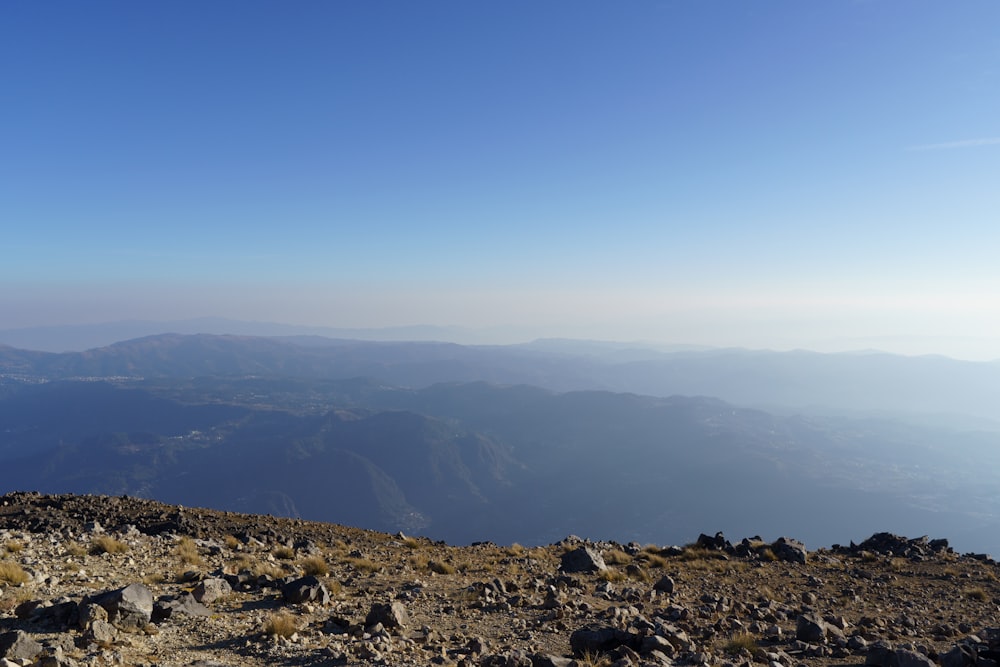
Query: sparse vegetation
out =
(315, 566)
(283, 552)
(739, 642)
(363, 565)
(12, 573)
(616, 557)
(411, 543)
(977, 594)
(652, 559)
(767, 554)
(515, 550)
(187, 551)
(614, 576)
(589, 659)
(281, 624)
(636, 573)
(692, 552)
(231, 542)
(441, 567)
(75, 549)
(105, 544)
(14, 546)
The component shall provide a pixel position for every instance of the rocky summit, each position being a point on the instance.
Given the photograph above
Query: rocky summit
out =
(92, 580)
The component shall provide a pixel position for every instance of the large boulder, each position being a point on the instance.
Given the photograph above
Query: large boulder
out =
(18, 645)
(128, 608)
(392, 615)
(789, 550)
(209, 590)
(811, 628)
(306, 589)
(582, 559)
(904, 658)
(664, 585)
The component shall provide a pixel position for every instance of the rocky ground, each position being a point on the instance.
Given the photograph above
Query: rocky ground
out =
(87, 580)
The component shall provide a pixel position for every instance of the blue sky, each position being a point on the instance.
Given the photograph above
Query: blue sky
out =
(764, 174)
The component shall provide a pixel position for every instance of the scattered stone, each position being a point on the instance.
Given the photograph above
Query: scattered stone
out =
(18, 645)
(392, 615)
(664, 585)
(184, 604)
(594, 639)
(306, 589)
(813, 629)
(209, 590)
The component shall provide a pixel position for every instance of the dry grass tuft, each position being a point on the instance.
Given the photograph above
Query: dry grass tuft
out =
(593, 660)
(14, 546)
(652, 559)
(977, 594)
(440, 567)
(692, 553)
(231, 542)
(363, 565)
(614, 576)
(739, 642)
(411, 543)
(315, 566)
(105, 544)
(282, 552)
(636, 573)
(12, 573)
(515, 551)
(75, 549)
(281, 624)
(616, 557)
(187, 551)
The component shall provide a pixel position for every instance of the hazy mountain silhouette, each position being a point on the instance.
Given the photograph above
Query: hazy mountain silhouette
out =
(468, 462)
(925, 388)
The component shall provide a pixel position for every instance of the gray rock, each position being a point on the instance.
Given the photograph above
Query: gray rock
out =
(789, 550)
(90, 612)
(657, 643)
(210, 590)
(185, 604)
(130, 607)
(101, 632)
(392, 615)
(879, 654)
(811, 628)
(905, 658)
(306, 589)
(513, 658)
(582, 559)
(959, 656)
(664, 585)
(677, 637)
(545, 660)
(594, 639)
(55, 661)
(18, 645)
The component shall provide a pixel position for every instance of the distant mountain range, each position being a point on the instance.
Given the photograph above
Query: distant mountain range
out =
(934, 390)
(80, 337)
(516, 443)
(466, 462)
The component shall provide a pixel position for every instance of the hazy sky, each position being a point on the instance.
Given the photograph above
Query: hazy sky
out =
(767, 174)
